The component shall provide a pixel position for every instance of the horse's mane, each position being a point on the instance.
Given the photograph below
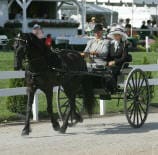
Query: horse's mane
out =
(70, 57)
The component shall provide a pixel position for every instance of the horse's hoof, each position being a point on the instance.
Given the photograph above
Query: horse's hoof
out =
(71, 124)
(80, 119)
(56, 126)
(62, 130)
(25, 133)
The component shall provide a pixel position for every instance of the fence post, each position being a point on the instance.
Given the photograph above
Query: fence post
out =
(147, 46)
(102, 107)
(35, 107)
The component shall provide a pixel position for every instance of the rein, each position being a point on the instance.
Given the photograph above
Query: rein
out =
(19, 39)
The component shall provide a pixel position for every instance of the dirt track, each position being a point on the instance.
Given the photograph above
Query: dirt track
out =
(97, 136)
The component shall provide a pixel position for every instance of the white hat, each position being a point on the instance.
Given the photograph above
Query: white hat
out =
(36, 26)
(118, 30)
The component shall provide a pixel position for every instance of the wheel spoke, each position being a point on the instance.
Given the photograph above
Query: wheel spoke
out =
(142, 90)
(130, 107)
(136, 80)
(64, 112)
(133, 108)
(130, 93)
(140, 113)
(141, 83)
(65, 104)
(142, 108)
(137, 114)
(134, 87)
(139, 79)
(63, 98)
(134, 114)
(131, 86)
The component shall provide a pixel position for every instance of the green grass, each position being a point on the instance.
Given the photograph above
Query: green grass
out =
(6, 64)
(139, 56)
(6, 61)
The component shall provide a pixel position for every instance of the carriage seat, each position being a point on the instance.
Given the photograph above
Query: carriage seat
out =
(125, 69)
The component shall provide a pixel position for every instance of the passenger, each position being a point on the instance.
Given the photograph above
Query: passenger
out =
(118, 53)
(98, 47)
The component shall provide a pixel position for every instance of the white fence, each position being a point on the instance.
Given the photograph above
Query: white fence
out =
(18, 90)
(22, 90)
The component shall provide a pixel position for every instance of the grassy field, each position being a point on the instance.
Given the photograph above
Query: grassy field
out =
(6, 64)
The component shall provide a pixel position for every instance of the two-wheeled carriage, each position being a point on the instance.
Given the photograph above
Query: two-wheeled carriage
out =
(131, 86)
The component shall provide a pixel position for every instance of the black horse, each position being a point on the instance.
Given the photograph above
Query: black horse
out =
(45, 69)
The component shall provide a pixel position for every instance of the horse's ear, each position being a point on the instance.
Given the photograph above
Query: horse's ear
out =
(19, 34)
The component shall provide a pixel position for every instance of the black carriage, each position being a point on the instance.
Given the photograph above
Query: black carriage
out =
(131, 86)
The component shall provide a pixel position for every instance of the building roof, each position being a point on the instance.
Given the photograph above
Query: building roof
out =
(95, 9)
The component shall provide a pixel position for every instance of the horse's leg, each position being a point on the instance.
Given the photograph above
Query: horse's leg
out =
(70, 111)
(30, 98)
(74, 112)
(55, 123)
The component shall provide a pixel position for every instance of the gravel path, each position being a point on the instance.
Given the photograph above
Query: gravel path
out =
(97, 136)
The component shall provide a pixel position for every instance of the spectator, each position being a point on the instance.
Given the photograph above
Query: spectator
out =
(143, 33)
(92, 23)
(128, 25)
(154, 26)
(149, 26)
(121, 22)
(45, 16)
(18, 16)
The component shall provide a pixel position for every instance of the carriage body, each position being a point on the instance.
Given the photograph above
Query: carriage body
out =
(131, 86)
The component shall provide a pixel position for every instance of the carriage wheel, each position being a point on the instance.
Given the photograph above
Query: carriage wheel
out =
(136, 98)
(63, 105)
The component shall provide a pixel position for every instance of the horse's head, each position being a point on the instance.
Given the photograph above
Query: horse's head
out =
(20, 46)
(28, 46)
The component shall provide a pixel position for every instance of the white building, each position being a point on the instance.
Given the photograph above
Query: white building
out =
(3, 11)
(41, 11)
(123, 7)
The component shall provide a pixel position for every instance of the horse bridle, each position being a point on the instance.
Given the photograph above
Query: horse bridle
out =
(25, 41)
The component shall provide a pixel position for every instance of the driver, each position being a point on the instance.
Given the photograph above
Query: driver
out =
(98, 47)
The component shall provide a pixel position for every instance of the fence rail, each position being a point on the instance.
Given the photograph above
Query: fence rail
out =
(22, 90)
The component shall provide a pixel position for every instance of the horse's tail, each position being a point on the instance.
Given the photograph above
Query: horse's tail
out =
(88, 98)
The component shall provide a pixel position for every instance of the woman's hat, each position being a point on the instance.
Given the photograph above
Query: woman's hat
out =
(98, 27)
(118, 30)
(93, 18)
